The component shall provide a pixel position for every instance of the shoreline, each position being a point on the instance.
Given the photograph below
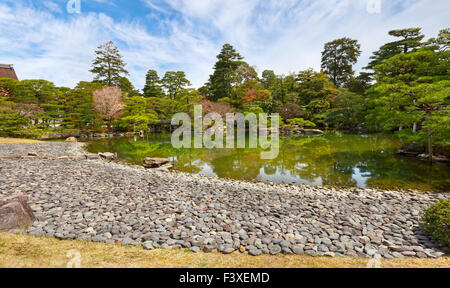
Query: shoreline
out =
(83, 151)
(327, 187)
(111, 202)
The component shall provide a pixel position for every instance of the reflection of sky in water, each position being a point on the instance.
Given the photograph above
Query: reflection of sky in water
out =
(360, 177)
(285, 176)
(207, 170)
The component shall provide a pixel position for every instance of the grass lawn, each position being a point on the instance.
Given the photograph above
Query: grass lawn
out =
(29, 251)
(15, 140)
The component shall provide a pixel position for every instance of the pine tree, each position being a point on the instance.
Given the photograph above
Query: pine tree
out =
(12, 122)
(137, 115)
(108, 66)
(412, 38)
(269, 79)
(152, 86)
(442, 42)
(413, 88)
(9, 85)
(79, 112)
(174, 82)
(41, 96)
(224, 73)
(338, 59)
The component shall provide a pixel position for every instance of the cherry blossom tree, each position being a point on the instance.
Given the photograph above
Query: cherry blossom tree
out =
(108, 103)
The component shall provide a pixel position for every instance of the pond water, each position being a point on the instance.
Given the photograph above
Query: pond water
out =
(333, 159)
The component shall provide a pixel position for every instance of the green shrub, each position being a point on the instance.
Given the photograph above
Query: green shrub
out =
(301, 122)
(437, 221)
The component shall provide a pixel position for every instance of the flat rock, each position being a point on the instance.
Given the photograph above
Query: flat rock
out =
(107, 155)
(155, 162)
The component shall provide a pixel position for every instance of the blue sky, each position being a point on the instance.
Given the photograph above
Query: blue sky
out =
(44, 41)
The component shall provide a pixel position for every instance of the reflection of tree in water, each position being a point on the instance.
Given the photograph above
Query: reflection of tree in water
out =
(187, 160)
(332, 158)
(127, 148)
(387, 171)
(238, 164)
(270, 169)
(299, 157)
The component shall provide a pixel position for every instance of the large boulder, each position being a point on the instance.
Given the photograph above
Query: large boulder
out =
(155, 162)
(15, 212)
(72, 139)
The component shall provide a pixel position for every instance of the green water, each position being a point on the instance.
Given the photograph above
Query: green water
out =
(333, 159)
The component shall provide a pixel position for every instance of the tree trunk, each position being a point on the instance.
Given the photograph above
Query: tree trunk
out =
(414, 128)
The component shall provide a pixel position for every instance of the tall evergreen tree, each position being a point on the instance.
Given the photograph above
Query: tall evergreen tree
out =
(411, 39)
(268, 79)
(338, 59)
(174, 82)
(152, 86)
(224, 73)
(108, 66)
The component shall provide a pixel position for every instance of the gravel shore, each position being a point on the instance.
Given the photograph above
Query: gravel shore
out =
(109, 202)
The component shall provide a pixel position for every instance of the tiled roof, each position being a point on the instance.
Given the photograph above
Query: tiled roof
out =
(7, 71)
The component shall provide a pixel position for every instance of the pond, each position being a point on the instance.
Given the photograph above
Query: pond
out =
(333, 159)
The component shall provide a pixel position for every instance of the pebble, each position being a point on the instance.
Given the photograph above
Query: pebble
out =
(195, 249)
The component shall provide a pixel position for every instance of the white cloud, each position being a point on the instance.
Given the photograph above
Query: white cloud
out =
(42, 46)
(151, 4)
(286, 36)
(52, 6)
(289, 35)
